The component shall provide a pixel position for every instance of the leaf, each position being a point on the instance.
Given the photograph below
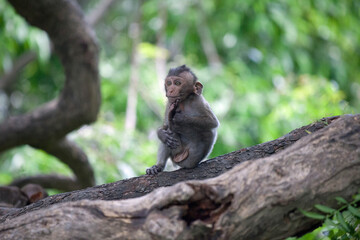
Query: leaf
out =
(354, 211)
(312, 215)
(341, 220)
(357, 197)
(341, 200)
(324, 209)
(330, 223)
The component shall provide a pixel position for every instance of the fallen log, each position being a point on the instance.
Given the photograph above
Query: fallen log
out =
(254, 200)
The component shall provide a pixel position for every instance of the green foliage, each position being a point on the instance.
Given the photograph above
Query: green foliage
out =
(341, 223)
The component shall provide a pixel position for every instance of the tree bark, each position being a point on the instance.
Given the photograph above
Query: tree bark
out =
(254, 200)
(142, 185)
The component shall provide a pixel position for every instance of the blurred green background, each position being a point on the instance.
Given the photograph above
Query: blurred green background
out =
(267, 67)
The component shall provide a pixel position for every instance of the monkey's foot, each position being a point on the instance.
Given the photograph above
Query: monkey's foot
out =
(181, 156)
(153, 170)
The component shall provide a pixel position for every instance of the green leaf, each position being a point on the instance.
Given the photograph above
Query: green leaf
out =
(312, 215)
(330, 223)
(324, 209)
(341, 220)
(357, 197)
(341, 200)
(354, 211)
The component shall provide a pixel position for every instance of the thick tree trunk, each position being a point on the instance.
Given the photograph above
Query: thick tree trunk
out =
(254, 200)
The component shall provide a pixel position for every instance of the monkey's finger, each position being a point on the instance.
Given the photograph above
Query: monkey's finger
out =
(172, 145)
(172, 140)
(153, 170)
(150, 171)
(170, 135)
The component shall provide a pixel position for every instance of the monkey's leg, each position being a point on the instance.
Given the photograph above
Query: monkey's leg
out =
(181, 154)
(196, 153)
(163, 155)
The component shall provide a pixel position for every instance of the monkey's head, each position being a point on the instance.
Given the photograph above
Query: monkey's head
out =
(180, 83)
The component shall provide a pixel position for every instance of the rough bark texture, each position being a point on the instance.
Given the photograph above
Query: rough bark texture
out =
(254, 200)
(79, 102)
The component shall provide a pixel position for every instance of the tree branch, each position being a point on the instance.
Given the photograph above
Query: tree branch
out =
(76, 46)
(135, 34)
(255, 200)
(139, 186)
(49, 181)
(20, 63)
(99, 11)
(9, 77)
(74, 157)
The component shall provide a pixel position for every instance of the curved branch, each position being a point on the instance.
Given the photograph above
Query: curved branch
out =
(79, 101)
(49, 181)
(73, 156)
(9, 77)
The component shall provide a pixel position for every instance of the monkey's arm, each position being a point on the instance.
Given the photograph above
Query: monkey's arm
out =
(204, 119)
(165, 133)
(195, 112)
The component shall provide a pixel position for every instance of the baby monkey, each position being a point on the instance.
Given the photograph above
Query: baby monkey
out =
(189, 130)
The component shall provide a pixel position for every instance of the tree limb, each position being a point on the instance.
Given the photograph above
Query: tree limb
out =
(74, 157)
(9, 77)
(255, 200)
(20, 63)
(99, 11)
(139, 186)
(75, 44)
(49, 181)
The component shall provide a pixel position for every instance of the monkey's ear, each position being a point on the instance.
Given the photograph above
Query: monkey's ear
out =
(198, 88)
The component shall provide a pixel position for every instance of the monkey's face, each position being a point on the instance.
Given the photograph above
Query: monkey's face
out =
(178, 88)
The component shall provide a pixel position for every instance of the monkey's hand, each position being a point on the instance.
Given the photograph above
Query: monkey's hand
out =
(172, 109)
(172, 140)
(169, 138)
(153, 170)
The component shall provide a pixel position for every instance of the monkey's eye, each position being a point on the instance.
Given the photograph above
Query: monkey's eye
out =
(168, 83)
(177, 83)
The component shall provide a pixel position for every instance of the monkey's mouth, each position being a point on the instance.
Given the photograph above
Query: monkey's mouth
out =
(174, 97)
